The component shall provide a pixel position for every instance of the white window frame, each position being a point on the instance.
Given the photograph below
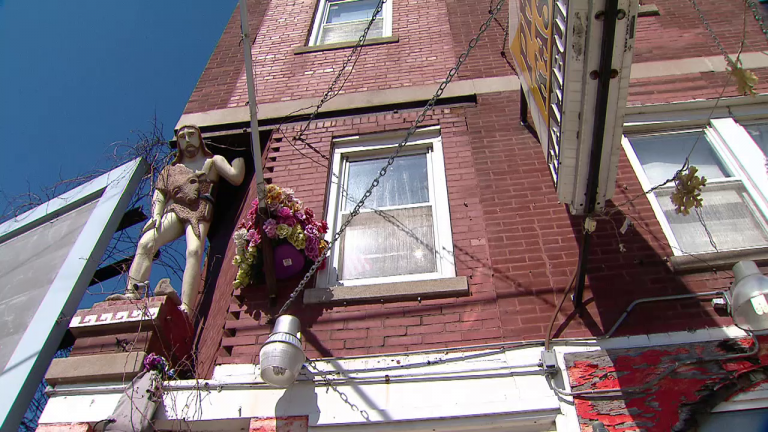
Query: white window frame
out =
(427, 141)
(322, 12)
(739, 155)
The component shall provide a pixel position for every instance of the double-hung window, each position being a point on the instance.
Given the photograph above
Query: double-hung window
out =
(733, 215)
(403, 232)
(344, 21)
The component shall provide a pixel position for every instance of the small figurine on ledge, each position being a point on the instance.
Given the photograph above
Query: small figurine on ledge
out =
(181, 205)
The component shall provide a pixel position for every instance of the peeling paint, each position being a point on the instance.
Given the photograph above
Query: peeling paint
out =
(675, 400)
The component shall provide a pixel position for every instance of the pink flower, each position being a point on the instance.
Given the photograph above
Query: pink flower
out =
(284, 212)
(270, 228)
(290, 221)
(322, 227)
(311, 231)
(311, 248)
(253, 237)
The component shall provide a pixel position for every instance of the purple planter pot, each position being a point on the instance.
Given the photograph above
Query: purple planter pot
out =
(289, 261)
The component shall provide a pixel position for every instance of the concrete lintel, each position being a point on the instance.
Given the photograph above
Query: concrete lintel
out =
(95, 368)
(456, 286)
(751, 60)
(348, 101)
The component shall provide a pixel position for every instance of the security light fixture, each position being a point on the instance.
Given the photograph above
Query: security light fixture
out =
(749, 305)
(281, 357)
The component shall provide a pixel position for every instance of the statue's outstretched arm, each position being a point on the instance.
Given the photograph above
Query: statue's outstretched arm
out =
(232, 173)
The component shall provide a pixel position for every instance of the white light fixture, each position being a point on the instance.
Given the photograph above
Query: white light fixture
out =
(749, 306)
(281, 357)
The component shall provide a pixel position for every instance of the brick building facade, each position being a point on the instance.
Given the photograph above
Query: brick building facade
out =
(514, 247)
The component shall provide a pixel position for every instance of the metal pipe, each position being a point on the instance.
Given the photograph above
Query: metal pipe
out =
(523, 107)
(255, 142)
(385, 379)
(598, 131)
(266, 246)
(652, 299)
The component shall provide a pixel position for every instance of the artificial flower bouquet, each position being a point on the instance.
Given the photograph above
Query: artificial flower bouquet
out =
(289, 222)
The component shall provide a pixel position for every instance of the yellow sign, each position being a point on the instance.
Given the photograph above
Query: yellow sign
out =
(531, 50)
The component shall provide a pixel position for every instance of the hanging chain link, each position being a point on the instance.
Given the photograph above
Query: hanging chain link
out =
(422, 116)
(332, 92)
(758, 16)
(711, 32)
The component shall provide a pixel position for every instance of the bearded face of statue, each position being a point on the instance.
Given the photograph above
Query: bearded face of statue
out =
(189, 142)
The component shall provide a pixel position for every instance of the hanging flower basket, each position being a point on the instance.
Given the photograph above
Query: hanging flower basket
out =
(295, 235)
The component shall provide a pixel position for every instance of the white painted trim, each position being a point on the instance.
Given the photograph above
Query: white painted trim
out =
(646, 185)
(37, 346)
(730, 143)
(449, 378)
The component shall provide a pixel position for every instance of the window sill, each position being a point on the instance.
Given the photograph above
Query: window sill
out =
(724, 260)
(648, 10)
(348, 44)
(456, 286)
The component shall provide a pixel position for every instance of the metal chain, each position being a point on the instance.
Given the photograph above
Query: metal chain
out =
(329, 94)
(422, 116)
(758, 17)
(712, 34)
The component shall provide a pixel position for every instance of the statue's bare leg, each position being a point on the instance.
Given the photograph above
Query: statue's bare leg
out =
(171, 228)
(191, 281)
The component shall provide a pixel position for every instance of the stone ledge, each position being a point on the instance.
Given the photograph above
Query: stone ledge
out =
(120, 367)
(648, 10)
(724, 260)
(448, 287)
(347, 44)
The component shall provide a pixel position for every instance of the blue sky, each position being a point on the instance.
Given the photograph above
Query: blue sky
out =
(77, 76)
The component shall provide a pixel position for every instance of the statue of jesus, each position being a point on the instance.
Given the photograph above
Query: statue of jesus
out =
(182, 204)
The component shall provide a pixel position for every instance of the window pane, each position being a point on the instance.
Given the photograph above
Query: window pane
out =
(759, 133)
(395, 242)
(662, 155)
(350, 11)
(729, 216)
(406, 182)
(349, 31)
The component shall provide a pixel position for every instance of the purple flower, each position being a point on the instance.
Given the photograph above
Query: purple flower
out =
(284, 212)
(270, 228)
(154, 362)
(254, 237)
(312, 248)
(299, 215)
(311, 231)
(290, 221)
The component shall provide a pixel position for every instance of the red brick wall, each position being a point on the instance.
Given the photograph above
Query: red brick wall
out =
(423, 55)
(679, 32)
(517, 245)
(428, 46)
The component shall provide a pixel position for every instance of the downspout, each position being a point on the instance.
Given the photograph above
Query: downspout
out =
(610, 16)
